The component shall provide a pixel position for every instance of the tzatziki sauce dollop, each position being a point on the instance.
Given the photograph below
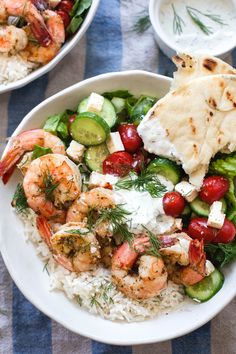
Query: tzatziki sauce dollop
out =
(145, 210)
(190, 37)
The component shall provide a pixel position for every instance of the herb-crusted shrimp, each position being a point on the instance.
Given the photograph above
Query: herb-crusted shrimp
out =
(52, 182)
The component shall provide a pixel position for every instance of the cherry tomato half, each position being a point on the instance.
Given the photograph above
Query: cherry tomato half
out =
(226, 234)
(130, 138)
(173, 204)
(214, 188)
(118, 164)
(139, 160)
(199, 229)
(65, 5)
(65, 17)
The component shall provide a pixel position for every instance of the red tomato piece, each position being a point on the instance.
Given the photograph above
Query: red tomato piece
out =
(198, 229)
(65, 17)
(71, 120)
(214, 188)
(130, 138)
(139, 160)
(118, 164)
(226, 234)
(65, 5)
(173, 204)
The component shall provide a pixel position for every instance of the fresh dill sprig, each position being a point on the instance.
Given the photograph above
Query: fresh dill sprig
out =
(213, 17)
(19, 200)
(46, 267)
(193, 13)
(142, 23)
(79, 300)
(178, 22)
(117, 218)
(49, 186)
(155, 245)
(146, 181)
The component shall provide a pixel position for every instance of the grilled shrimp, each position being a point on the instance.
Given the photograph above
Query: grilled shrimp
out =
(25, 142)
(41, 54)
(3, 13)
(12, 39)
(73, 246)
(26, 9)
(95, 199)
(186, 258)
(152, 274)
(51, 183)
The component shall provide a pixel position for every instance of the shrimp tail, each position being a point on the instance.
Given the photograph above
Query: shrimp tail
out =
(197, 256)
(44, 229)
(40, 31)
(8, 163)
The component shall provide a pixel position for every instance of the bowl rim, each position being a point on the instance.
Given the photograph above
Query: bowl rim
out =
(46, 310)
(160, 33)
(65, 49)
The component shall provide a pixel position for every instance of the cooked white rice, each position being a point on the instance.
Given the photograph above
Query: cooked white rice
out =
(13, 68)
(94, 291)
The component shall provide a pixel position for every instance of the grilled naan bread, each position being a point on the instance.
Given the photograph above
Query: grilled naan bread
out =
(192, 123)
(191, 67)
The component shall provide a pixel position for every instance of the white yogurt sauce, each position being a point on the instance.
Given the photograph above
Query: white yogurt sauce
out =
(192, 38)
(145, 210)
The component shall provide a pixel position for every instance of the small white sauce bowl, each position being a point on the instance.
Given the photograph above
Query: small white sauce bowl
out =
(163, 41)
(65, 49)
(26, 268)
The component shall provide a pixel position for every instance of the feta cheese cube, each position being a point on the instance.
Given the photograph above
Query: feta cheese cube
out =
(187, 190)
(178, 224)
(209, 268)
(95, 103)
(114, 143)
(75, 151)
(216, 218)
(98, 180)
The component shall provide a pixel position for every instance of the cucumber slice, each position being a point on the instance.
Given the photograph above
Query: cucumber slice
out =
(108, 112)
(119, 104)
(89, 129)
(203, 209)
(207, 287)
(166, 168)
(94, 157)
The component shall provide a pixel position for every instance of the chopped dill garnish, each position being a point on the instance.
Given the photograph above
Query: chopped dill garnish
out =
(19, 200)
(142, 23)
(77, 232)
(50, 186)
(46, 267)
(106, 288)
(117, 218)
(79, 300)
(146, 181)
(178, 22)
(94, 301)
(153, 250)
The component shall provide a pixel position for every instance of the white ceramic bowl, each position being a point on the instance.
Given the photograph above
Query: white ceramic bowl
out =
(164, 42)
(25, 266)
(65, 49)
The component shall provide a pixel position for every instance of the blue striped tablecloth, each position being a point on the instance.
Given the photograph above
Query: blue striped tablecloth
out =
(110, 45)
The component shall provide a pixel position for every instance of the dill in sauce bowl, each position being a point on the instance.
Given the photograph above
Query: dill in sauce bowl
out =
(199, 26)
